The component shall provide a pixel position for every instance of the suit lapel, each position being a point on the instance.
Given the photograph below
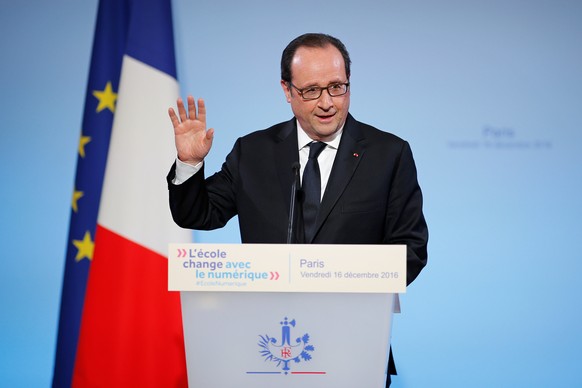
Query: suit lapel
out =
(286, 153)
(349, 154)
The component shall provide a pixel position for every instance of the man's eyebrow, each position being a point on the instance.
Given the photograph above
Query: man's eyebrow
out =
(323, 87)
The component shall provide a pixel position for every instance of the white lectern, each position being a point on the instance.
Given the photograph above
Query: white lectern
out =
(287, 315)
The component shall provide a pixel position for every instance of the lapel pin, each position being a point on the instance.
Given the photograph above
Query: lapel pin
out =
(355, 155)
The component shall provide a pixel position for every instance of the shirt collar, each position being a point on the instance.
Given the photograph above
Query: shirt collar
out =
(303, 140)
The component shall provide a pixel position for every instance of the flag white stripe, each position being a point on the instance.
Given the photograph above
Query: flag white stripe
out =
(134, 201)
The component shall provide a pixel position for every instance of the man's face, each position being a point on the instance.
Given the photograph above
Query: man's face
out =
(323, 117)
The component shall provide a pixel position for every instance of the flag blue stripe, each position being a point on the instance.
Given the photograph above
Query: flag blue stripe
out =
(150, 33)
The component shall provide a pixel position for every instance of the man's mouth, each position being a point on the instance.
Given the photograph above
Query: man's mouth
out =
(325, 118)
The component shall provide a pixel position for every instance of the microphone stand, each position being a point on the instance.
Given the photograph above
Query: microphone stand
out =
(294, 188)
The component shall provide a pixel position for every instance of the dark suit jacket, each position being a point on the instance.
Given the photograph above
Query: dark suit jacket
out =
(372, 196)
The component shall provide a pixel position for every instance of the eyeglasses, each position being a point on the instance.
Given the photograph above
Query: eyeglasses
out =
(314, 92)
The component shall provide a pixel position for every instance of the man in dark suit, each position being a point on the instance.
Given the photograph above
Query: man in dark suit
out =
(365, 178)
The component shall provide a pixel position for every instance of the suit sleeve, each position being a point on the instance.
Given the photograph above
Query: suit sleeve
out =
(205, 204)
(406, 222)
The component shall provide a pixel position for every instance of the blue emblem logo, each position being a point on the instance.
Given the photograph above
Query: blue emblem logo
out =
(284, 351)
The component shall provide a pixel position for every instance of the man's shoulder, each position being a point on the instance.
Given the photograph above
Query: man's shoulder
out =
(372, 134)
(275, 132)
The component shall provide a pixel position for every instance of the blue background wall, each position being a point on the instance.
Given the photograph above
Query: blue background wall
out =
(489, 94)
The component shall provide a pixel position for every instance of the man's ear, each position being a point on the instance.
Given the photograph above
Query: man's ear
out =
(286, 90)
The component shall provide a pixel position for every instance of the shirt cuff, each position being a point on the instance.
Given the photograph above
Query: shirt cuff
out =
(185, 171)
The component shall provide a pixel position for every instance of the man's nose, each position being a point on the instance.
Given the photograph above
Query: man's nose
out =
(325, 101)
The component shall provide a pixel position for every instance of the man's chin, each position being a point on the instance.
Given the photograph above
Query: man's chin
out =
(327, 132)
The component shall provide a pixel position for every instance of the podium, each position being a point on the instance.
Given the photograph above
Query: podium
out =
(269, 315)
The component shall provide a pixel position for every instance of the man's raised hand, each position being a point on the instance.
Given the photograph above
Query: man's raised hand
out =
(193, 141)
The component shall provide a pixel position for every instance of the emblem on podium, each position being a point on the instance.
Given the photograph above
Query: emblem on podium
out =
(284, 350)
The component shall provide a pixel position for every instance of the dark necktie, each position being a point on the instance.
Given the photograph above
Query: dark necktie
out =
(311, 189)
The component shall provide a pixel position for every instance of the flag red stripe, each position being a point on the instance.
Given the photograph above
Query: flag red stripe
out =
(126, 302)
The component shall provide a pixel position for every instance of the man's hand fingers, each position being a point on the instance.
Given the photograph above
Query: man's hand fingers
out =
(191, 108)
(201, 110)
(182, 110)
(173, 117)
(210, 134)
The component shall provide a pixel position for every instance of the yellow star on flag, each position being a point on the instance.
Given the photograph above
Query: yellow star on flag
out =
(82, 142)
(85, 247)
(76, 196)
(106, 98)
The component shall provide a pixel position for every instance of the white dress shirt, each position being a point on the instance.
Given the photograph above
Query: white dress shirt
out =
(325, 158)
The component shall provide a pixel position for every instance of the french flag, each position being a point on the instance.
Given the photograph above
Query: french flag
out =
(123, 328)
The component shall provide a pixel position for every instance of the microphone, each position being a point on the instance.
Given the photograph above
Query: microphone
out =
(294, 188)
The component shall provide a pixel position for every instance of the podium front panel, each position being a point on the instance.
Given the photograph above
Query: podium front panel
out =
(286, 340)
